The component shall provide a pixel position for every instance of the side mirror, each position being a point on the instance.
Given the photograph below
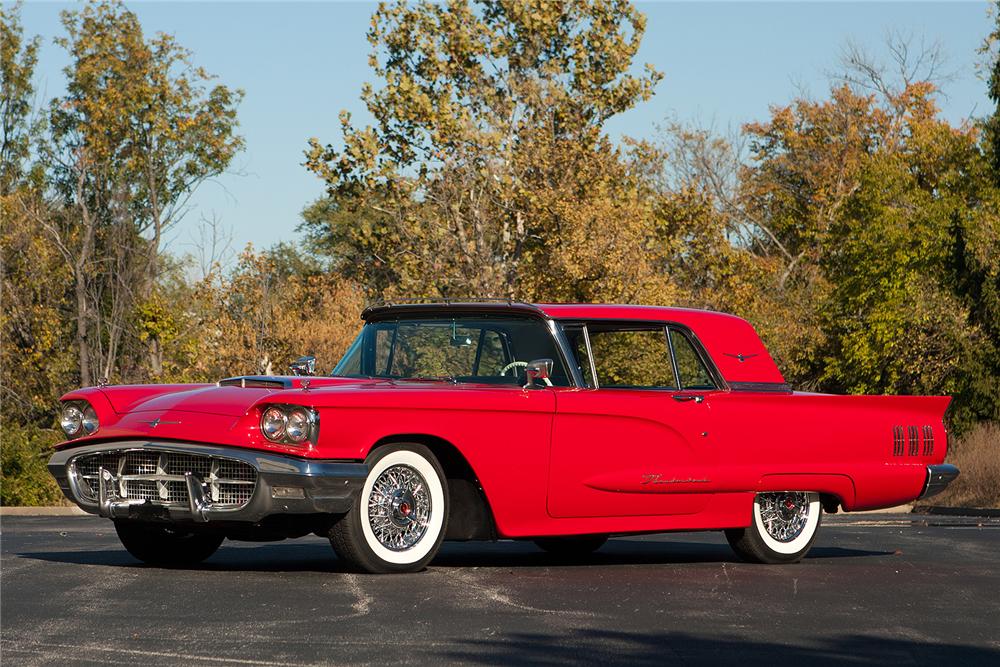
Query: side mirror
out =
(303, 366)
(538, 369)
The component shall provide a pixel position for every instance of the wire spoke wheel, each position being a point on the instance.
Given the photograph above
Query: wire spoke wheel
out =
(782, 527)
(784, 514)
(399, 507)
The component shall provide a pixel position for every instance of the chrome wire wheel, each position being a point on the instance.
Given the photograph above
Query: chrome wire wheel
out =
(399, 507)
(784, 515)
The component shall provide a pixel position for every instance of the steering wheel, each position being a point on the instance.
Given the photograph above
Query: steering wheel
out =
(521, 364)
(513, 365)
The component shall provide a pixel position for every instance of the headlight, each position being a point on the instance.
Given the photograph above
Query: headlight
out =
(272, 424)
(71, 420)
(297, 428)
(79, 418)
(90, 421)
(289, 424)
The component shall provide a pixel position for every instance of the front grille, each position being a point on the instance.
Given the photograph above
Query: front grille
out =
(159, 476)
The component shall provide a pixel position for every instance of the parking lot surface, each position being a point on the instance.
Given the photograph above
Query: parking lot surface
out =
(875, 589)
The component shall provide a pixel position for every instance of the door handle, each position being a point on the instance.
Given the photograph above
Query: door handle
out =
(684, 398)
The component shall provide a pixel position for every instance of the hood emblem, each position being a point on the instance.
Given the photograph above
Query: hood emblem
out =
(153, 423)
(740, 357)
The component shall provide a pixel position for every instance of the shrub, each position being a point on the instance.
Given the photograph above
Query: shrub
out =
(977, 455)
(24, 479)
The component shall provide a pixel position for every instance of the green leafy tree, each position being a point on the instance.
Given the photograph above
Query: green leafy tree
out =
(485, 107)
(137, 132)
(17, 64)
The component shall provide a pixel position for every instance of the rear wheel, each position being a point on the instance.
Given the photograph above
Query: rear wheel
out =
(166, 545)
(398, 522)
(576, 545)
(783, 528)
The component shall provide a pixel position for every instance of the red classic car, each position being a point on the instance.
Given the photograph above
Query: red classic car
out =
(562, 424)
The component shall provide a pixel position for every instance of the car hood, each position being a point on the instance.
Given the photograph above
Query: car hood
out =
(232, 397)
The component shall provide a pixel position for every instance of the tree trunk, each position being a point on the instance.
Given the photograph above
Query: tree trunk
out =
(83, 347)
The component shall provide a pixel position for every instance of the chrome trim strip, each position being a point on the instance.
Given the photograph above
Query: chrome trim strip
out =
(768, 387)
(562, 347)
(590, 358)
(673, 360)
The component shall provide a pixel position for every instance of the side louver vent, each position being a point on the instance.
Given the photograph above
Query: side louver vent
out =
(898, 444)
(928, 441)
(912, 440)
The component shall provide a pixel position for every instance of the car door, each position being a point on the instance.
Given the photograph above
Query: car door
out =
(634, 442)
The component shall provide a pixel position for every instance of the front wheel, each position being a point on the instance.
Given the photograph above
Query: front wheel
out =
(398, 521)
(783, 528)
(166, 545)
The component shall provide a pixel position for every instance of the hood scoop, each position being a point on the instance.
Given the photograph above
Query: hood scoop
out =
(257, 382)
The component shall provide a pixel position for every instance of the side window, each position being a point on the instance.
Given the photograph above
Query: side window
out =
(631, 358)
(692, 371)
(384, 336)
(491, 357)
(578, 344)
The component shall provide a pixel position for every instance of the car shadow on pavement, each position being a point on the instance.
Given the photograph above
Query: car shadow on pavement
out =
(615, 552)
(314, 556)
(599, 646)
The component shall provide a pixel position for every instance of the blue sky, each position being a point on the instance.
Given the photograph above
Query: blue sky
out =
(301, 63)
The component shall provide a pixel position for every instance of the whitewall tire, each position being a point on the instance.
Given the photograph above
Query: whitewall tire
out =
(399, 519)
(782, 530)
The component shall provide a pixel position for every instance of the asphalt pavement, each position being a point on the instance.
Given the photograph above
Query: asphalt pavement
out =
(876, 589)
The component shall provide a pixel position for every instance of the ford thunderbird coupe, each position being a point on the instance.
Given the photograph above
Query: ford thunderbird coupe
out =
(562, 424)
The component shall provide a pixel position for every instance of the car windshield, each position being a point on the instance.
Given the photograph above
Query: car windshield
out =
(482, 349)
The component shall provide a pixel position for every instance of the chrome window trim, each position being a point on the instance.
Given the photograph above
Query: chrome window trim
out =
(395, 313)
(703, 357)
(590, 357)
(673, 358)
(699, 349)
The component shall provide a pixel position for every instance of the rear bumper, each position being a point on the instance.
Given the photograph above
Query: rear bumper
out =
(938, 478)
(284, 485)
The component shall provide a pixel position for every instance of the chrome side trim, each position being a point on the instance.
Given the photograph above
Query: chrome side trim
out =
(938, 478)
(765, 387)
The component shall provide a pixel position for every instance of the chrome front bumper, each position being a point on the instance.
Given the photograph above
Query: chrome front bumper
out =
(938, 478)
(283, 485)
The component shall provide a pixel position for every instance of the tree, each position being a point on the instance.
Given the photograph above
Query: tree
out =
(485, 112)
(34, 329)
(17, 64)
(991, 124)
(137, 132)
(889, 216)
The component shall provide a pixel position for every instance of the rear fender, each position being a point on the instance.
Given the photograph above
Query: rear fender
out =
(840, 486)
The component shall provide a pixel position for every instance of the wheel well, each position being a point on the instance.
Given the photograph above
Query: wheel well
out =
(830, 502)
(470, 516)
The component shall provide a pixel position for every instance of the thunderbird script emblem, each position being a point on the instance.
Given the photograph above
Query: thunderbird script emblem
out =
(156, 422)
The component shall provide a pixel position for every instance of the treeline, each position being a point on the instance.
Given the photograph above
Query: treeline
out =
(859, 232)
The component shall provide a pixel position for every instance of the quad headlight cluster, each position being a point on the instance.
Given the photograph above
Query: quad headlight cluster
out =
(289, 424)
(78, 418)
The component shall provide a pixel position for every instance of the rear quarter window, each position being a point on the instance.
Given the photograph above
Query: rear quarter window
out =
(692, 371)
